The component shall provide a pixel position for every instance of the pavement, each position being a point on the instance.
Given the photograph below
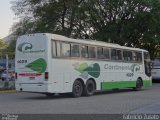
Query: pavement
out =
(124, 101)
(148, 109)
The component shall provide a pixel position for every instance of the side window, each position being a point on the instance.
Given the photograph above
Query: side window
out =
(84, 51)
(113, 54)
(127, 55)
(103, 53)
(92, 52)
(75, 50)
(134, 56)
(130, 56)
(106, 53)
(100, 53)
(137, 56)
(119, 54)
(58, 46)
(116, 54)
(65, 50)
(54, 49)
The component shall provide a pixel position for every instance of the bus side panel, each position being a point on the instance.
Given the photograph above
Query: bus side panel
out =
(122, 75)
(65, 72)
(60, 74)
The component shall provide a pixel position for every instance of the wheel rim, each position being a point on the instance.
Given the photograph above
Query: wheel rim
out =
(139, 84)
(90, 88)
(77, 89)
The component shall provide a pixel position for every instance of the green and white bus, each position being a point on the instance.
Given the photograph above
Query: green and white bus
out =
(49, 63)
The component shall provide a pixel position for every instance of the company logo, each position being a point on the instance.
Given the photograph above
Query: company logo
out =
(135, 68)
(86, 70)
(25, 46)
(38, 65)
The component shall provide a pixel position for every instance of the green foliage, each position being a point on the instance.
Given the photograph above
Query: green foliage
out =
(9, 49)
(2, 44)
(126, 22)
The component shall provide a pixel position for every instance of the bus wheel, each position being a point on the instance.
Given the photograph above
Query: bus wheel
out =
(139, 85)
(77, 88)
(89, 88)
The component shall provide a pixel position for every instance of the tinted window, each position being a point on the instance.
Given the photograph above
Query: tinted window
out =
(54, 49)
(58, 46)
(106, 53)
(116, 54)
(92, 52)
(75, 50)
(84, 51)
(113, 54)
(119, 54)
(65, 50)
(137, 56)
(103, 53)
(127, 55)
(100, 53)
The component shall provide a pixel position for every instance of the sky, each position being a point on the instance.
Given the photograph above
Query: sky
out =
(7, 18)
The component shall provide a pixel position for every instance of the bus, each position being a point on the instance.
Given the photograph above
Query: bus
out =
(50, 64)
(155, 70)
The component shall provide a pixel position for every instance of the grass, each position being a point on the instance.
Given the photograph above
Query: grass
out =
(7, 91)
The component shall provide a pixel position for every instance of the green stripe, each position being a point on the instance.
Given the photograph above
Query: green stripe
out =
(147, 83)
(123, 84)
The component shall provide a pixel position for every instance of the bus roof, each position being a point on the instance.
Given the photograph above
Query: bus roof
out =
(83, 41)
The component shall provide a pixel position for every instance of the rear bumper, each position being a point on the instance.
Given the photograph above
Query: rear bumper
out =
(26, 87)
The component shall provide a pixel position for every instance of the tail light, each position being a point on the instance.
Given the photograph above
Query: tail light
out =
(46, 75)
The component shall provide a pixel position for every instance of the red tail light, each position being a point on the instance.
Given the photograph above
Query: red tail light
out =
(46, 75)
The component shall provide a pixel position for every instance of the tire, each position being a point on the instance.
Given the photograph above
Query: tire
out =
(139, 85)
(89, 88)
(77, 88)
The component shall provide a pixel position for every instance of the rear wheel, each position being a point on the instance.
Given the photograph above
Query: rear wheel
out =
(89, 88)
(139, 85)
(77, 88)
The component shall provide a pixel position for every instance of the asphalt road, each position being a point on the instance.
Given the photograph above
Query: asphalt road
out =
(110, 102)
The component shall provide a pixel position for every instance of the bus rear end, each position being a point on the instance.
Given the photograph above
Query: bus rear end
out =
(31, 63)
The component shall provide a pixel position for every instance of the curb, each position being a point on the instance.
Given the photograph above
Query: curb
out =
(7, 91)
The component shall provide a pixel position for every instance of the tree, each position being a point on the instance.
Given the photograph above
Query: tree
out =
(2, 44)
(133, 23)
